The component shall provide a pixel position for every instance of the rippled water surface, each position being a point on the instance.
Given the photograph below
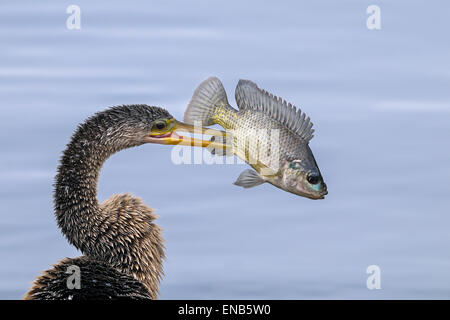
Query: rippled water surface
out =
(380, 102)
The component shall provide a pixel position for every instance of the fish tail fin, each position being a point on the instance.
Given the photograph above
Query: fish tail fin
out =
(207, 99)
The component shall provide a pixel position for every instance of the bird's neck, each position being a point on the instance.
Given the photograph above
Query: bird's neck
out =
(120, 231)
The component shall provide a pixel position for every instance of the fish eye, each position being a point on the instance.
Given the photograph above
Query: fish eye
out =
(313, 178)
(295, 165)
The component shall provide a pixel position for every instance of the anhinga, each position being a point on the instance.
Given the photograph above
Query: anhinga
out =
(122, 246)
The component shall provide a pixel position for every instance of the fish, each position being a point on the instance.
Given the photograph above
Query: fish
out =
(268, 133)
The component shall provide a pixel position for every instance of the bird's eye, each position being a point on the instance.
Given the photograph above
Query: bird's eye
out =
(295, 165)
(160, 125)
(313, 178)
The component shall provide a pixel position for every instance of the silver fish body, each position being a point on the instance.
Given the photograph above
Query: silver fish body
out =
(269, 134)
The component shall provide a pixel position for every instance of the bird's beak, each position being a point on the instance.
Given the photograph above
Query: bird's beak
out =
(172, 138)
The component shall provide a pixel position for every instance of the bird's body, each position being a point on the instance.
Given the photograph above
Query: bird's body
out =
(98, 281)
(118, 238)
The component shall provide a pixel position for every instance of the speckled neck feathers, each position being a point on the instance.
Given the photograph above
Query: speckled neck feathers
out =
(119, 231)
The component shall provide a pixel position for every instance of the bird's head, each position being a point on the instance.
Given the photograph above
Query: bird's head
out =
(140, 124)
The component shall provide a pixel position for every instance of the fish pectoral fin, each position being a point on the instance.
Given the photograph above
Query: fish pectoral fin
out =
(248, 179)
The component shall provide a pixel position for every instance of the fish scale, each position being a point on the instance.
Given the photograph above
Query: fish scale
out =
(258, 139)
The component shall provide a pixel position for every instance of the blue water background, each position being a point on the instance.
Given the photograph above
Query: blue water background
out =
(380, 102)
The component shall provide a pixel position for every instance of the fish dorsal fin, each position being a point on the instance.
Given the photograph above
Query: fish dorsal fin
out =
(249, 96)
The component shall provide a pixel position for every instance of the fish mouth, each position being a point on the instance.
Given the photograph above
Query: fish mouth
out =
(312, 195)
(323, 193)
(172, 138)
(317, 196)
